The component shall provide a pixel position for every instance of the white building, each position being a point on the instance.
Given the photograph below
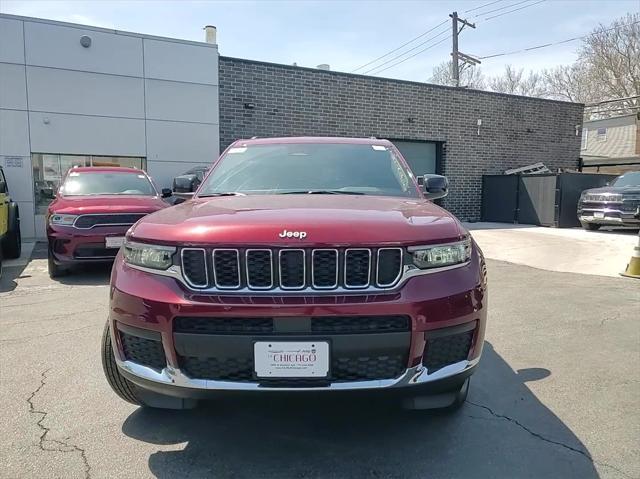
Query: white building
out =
(78, 95)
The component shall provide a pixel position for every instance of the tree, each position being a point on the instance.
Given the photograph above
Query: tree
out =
(517, 83)
(470, 77)
(612, 59)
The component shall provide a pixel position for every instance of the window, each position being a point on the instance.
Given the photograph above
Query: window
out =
(48, 170)
(87, 183)
(301, 167)
(602, 134)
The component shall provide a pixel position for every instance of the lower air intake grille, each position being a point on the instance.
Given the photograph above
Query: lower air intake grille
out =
(147, 352)
(197, 325)
(360, 324)
(362, 368)
(368, 368)
(445, 350)
(231, 369)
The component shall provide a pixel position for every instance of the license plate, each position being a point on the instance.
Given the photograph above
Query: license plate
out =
(598, 214)
(291, 359)
(113, 241)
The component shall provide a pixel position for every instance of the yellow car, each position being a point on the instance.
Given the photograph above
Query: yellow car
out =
(10, 240)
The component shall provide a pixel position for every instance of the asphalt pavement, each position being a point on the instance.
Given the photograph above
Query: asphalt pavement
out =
(557, 394)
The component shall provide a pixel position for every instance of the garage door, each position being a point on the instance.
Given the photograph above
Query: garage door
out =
(420, 155)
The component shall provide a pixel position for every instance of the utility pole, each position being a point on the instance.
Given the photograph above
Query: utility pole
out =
(455, 53)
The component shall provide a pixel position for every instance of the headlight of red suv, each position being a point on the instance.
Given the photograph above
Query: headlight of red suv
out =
(63, 220)
(441, 255)
(148, 255)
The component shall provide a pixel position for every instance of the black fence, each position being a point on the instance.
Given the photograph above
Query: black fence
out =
(549, 199)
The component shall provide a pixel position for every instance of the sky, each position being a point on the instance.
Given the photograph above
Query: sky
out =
(349, 34)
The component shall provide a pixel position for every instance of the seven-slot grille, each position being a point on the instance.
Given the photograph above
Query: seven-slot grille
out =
(291, 268)
(124, 219)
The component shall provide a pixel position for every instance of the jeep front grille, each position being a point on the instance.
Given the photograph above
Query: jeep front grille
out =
(291, 269)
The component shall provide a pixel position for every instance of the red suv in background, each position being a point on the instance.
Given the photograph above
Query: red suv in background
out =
(300, 264)
(94, 208)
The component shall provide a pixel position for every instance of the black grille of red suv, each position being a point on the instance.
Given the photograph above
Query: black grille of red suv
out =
(89, 221)
(291, 269)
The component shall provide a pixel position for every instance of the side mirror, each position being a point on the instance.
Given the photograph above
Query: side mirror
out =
(184, 184)
(166, 192)
(434, 186)
(182, 197)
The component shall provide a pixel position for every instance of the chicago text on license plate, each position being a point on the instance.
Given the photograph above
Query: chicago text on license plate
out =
(291, 359)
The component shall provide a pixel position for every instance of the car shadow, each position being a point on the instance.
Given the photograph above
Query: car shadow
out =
(502, 431)
(96, 274)
(9, 276)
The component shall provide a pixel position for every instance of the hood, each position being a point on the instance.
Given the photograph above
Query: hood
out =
(336, 220)
(77, 205)
(614, 189)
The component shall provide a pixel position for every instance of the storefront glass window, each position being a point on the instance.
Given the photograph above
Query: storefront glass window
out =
(48, 170)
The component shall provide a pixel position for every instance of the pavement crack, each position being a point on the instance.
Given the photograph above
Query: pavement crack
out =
(537, 435)
(46, 444)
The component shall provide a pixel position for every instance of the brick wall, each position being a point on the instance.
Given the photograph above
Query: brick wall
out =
(292, 101)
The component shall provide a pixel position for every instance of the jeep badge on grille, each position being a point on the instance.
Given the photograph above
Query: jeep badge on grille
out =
(293, 234)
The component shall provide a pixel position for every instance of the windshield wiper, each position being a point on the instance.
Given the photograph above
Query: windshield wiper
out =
(321, 192)
(226, 193)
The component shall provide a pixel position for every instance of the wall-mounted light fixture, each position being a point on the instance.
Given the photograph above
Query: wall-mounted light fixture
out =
(249, 106)
(578, 130)
(479, 123)
(85, 41)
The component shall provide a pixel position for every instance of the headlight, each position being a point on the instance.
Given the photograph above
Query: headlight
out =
(148, 255)
(441, 255)
(64, 220)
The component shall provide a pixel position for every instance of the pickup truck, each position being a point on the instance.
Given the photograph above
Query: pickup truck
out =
(617, 204)
(10, 238)
(300, 265)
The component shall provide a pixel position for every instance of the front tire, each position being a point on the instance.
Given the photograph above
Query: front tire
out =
(591, 226)
(120, 385)
(130, 392)
(55, 271)
(12, 242)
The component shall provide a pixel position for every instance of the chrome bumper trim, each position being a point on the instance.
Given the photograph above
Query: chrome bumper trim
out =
(408, 272)
(414, 376)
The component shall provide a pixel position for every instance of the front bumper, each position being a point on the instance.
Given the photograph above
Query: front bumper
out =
(612, 215)
(71, 245)
(449, 301)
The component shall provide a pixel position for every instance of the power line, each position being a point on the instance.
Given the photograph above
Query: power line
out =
(501, 8)
(482, 6)
(545, 45)
(415, 54)
(407, 51)
(401, 46)
(614, 100)
(514, 10)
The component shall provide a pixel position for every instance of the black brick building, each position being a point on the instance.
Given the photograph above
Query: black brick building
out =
(266, 99)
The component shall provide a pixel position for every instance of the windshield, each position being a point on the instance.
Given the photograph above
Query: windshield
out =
(628, 179)
(107, 183)
(310, 168)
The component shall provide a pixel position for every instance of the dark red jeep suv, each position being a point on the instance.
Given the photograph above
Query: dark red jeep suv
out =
(92, 211)
(300, 264)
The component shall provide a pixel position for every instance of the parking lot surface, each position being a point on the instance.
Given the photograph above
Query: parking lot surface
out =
(569, 250)
(557, 395)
